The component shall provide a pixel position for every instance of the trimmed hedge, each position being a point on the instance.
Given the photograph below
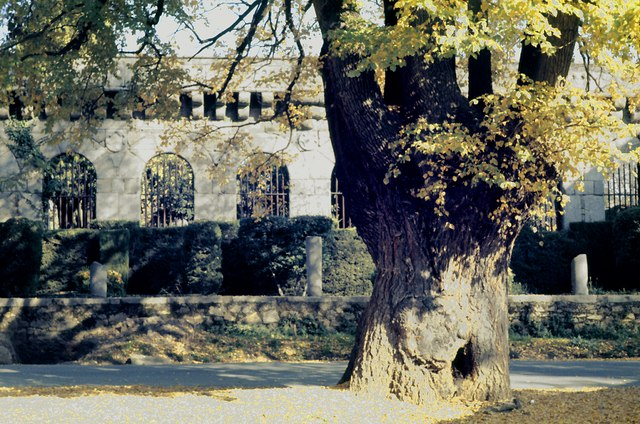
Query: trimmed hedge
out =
(626, 244)
(179, 260)
(114, 254)
(596, 240)
(20, 256)
(174, 260)
(268, 255)
(264, 257)
(66, 256)
(542, 260)
(268, 258)
(347, 267)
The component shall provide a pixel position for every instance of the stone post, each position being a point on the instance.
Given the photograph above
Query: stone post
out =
(98, 280)
(579, 275)
(314, 265)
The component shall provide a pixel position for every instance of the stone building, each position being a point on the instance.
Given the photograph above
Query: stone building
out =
(122, 171)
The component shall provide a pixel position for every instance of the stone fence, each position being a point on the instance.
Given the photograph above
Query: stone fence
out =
(60, 329)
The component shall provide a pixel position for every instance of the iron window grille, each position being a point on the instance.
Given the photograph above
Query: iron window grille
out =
(622, 188)
(264, 193)
(69, 192)
(167, 192)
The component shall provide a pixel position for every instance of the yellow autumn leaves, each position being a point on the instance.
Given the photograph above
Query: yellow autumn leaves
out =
(531, 138)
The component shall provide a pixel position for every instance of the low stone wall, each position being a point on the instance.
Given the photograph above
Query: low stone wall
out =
(566, 315)
(54, 330)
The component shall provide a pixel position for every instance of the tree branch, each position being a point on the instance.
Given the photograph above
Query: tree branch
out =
(258, 16)
(480, 81)
(540, 67)
(208, 42)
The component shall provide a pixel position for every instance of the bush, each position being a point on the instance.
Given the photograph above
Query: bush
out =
(204, 258)
(177, 260)
(542, 261)
(114, 253)
(595, 239)
(268, 256)
(65, 254)
(347, 268)
(626, 245)
(20, 256)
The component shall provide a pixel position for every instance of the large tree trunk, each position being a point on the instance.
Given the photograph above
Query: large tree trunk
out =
(426, 336)
(436, 326)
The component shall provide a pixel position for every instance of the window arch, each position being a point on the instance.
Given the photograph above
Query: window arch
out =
(69, 192)
(263, 192)
(167, 192)
(338, 208)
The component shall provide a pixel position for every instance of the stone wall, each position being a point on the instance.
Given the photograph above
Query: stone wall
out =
(567, 314)
(120, 147)
(54, 330)
(121, 150)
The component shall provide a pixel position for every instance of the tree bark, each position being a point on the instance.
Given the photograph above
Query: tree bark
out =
(436, 326)
(430, 336)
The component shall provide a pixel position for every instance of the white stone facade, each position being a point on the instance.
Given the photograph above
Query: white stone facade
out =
(120, 149)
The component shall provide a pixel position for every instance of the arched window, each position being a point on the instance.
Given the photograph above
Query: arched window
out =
(69, 192)
(338, 209)
(264, 192)
(167, 191)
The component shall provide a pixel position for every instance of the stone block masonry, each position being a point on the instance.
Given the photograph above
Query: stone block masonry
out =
(59, 329)
(567, 315)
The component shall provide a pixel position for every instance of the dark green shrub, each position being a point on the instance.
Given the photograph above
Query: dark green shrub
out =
(542, 261)
(20, 256)
(175, 260)
(114, 253)
(626, 245)
(155, 258)
(595, 239)
(204, 258)
(114, 225)
(347, 268)
(268, 256)
(66, 254)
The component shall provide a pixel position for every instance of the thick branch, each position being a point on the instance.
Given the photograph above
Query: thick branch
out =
(480, 81)
(392, 79)
(540, 67)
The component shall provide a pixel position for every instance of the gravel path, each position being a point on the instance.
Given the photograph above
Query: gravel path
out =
(293, 405)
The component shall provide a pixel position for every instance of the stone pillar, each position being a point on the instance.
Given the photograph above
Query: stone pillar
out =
(244, 100)
(314, 265)
(579, 275)
(197, 102)
(267, 104)
(98, 280)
